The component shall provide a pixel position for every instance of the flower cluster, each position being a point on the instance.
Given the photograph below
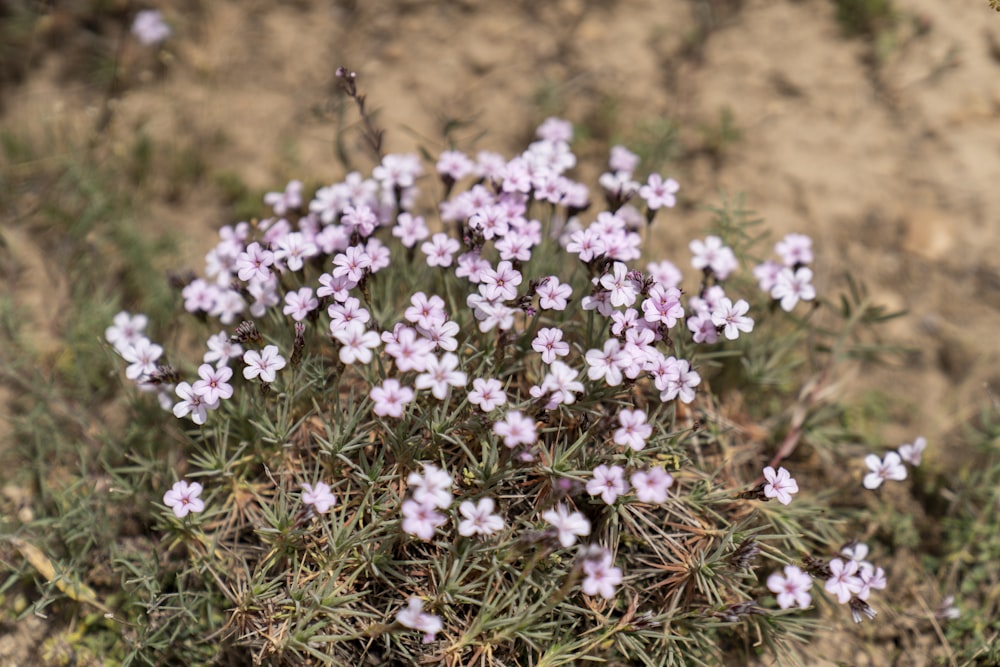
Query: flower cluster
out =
(470, 357)
(789, 280)
(849, 578)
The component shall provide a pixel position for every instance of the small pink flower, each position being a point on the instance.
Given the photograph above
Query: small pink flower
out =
(568, 524)
(214, 383)
(792, 588)
(779, 485)
(608, 482)
(433, 487)
(843, 581)
(183, 498)
(479, 518)
(634, 430)
(516, 429)
(264, 364)
(421, 520)
(414, 617)
(891, 467)
(319, 497)
(601, 576)
(790, 288)
(651, 486)
(549, 343)
(912, 454)
(488, 394)
(391, 398)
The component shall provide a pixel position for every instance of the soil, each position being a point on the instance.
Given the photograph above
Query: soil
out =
(885, 148)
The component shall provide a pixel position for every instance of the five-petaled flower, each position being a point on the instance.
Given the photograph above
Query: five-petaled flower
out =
(183, 498)
(601, 575)
(779, 485)
(264, 364)
(891, 467)
(568, 524)
(792, 587)
(479, 518)
(319, 496)
(414, 617)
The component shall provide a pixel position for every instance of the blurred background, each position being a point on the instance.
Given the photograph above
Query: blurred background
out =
(871, 125)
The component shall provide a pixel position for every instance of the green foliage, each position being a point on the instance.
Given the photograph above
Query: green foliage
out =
(865, 18)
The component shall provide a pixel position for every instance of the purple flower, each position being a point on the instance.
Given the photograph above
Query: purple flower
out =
(320, 497)
(293, 249)
(433, 487)
(659, 193)
(568, 524)
(767, 275)
(425, 310)
(913, 454)
(651, 486)
(351, 263)
(606, 363)
(843, 581)
(552, 294)
(608, 482)
(356, 343)
(253, 263)
(620, 285)
(732, 317)
(192, 403)
(663, 305)
(390, 398)
(479, 518)
(214, 383)
(601, 575)
(711, 254)
(634, 430)
(282, 202)
(795, 249)
(549, 343)
(516, 429)
(411, 352)
(440, 249)
(299, 304)
(264, 364)
(221, 349)
(891, 467)
(126, 331)
(500, 284)
(441, 374)
(790, 288)
(871, 577)
(555, 129)
(183, 498)
(409, 229)
(559, 384)
(454, 164)
(792, 587)
(149, 27)
(142, 357)
(488, 394)
(679, 381)
(779, 485)
(414, 617)
(342, 314)
(421, 519)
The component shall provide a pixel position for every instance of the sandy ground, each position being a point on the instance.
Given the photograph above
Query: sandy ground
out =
(888, 155)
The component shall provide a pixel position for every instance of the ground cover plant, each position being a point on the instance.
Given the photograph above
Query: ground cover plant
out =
(450, 413)
(484, 443)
